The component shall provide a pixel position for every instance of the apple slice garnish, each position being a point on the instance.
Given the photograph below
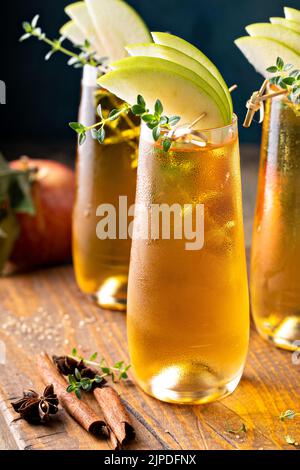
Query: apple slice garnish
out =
(176, 86)
(71, 31)
(78, 12)
(263, 52)
(116, 24)
(180, 44)
(293, 25)
(292, 14)
(279, 33)
(168, 53)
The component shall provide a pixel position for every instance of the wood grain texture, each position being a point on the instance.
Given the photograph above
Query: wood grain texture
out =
(45, 310)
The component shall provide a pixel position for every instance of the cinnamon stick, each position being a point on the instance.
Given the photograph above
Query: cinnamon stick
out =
(79, 410)
(114, 413)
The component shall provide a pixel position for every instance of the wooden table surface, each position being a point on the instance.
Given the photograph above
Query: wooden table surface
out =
(45, 311)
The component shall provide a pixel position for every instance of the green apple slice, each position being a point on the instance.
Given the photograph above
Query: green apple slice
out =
(173, 55)
(117, 24)
(78, 12)
(277, 32)
(263, 52)
(292, 14)
(166, 39)
(71, 31)
(293, 25)
(177, 87)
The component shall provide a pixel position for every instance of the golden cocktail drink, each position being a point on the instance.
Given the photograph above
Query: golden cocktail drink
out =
(275, 263)
(188, 316)
(104, 172)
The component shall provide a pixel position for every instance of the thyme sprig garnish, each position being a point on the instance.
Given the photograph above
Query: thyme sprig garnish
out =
(85, 57)
(78, 381)
(288, 414)
(287, 78)
(156, 121)
(237, 432)
(291, 441)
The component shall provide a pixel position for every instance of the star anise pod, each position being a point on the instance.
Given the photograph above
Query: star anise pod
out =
(35, 408)
(67, 366)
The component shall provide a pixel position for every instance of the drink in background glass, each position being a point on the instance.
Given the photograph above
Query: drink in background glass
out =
(188, 314)
(104, 172)
(275, 260)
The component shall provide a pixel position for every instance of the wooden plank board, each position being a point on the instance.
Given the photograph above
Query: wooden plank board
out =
(45, 311)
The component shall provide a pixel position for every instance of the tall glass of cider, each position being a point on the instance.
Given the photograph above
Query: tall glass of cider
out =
(275, 260)
(188, 312)
(104, 173)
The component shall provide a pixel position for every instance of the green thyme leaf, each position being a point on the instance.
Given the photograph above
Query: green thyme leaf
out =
(156, 133)
(272, 69)
(167, 144)
(77, 127)
(158, 108)
(141, 102)
(288, 80)
(173, 120)
(137, 110)
(279, 63)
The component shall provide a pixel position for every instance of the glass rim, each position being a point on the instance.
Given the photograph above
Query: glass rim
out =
(200, 138)
(208, 129)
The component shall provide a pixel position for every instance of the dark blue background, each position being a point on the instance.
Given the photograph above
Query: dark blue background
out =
(42, 97)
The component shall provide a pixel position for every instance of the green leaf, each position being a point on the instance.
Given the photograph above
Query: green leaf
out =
(74, 352)
(164, 120)
(291, 440)
(282, 84)
(288, 414)
(272, 69)
(141, 102)
(158, 108)
(288, 67)
(156, 133)
(295, 73)
(173, 120)
(70, 389)
(35, 21)
(27, 27)
(105, 370)
(119, 364)
(77, 374)
(24, 37)
(114, 114)
(101, 135)
(150, 118)
(82, 138)
(98, 379)
(87, 387)
(279, 63)
(99, 110)
(77, 127)
(137, 110)
(167, 144)
(78, 393)
(94, 356)
(72, 380)
(288, 80)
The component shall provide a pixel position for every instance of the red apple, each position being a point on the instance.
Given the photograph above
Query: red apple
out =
(45, 238)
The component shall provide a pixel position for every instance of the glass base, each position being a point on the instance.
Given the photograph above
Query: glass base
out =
(113, 294)
(195, 396)
(285, 335)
